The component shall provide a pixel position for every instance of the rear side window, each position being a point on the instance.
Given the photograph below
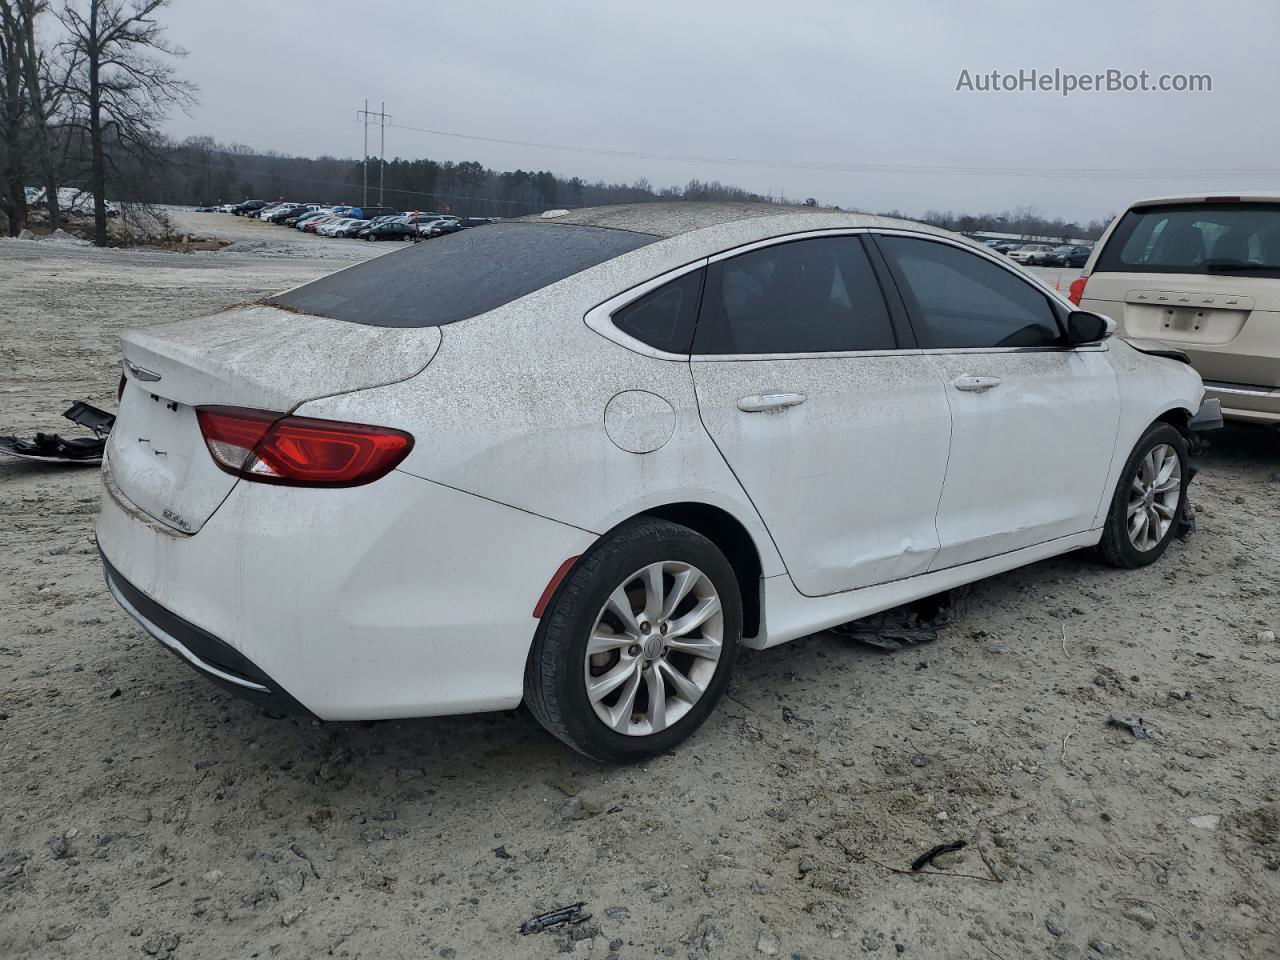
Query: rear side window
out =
(1224, 238)
(959, 300)
(806, 296)
(664, 318)
(459, 275)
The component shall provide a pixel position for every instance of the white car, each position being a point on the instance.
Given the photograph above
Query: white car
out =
(331, 229)
(270, 209)
(1031, 254)
(578, 461)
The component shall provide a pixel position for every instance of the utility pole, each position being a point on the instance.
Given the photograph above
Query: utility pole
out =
(366, 116)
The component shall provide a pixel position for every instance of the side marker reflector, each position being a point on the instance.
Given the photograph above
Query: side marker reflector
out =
(552, 585)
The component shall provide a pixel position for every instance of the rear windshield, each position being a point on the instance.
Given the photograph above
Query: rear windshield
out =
(459, 275)
(1210, 238)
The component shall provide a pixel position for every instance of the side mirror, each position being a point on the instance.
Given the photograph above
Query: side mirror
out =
(1086, 327)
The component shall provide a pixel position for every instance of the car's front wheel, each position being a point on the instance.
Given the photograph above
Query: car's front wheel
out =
(1148, 502)
(637, 645)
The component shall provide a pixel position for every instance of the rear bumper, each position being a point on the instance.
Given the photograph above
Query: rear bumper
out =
(402, 598)
(1242, 401)
(1250, 356)
(219, 662)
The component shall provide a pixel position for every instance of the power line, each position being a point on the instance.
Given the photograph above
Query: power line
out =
(366, 116)
(1115, 173)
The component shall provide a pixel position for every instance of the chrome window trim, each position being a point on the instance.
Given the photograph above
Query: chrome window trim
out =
(786, 238)
(600, 317)
(1006, 264)
(1003, 262)
(832, 355)
(1100, 347)
(904, 352)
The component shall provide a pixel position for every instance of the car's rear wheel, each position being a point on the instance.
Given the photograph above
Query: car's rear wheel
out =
(1148, 501)
(638, 643)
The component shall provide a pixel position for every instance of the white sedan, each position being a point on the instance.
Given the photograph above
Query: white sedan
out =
(331, 228)
(579, 459)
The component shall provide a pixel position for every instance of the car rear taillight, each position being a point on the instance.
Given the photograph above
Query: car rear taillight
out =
(270, 447)
(1075, 293)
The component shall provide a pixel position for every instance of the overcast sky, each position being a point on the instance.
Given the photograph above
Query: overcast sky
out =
(814, 81)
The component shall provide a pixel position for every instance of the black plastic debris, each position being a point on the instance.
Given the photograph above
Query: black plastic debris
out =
(52, 448)
(555, 919)
(926, 858)
(1186, 520)
(1131, 723)
(914, 623)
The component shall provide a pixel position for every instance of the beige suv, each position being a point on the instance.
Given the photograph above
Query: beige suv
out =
(1202, 275)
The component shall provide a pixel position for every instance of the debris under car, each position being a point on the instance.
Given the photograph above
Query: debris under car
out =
(52, 448)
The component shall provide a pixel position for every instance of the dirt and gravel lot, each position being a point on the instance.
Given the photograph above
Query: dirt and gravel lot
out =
(145, 813)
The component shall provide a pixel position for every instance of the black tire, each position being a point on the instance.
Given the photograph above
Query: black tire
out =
(554, 689)
(1116, 548)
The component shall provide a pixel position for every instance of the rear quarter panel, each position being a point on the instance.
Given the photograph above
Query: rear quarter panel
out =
(512, 409)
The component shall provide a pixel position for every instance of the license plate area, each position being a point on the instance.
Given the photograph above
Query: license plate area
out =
(159, 460)
(1187, 318)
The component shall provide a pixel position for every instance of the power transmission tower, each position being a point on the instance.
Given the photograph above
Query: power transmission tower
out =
(366, 116)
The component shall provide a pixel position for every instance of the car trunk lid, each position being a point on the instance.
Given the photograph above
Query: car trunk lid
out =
(256, 356)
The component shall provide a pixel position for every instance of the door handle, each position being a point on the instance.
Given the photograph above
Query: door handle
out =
(764, 402)
(975, 384)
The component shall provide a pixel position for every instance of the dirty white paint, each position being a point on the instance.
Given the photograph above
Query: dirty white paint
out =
(534, 434)
(274, 359)
(847, 481)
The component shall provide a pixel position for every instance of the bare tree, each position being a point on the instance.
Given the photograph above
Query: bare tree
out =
(1027, 219)
(13, 108)
(45, 90)
(121, 87)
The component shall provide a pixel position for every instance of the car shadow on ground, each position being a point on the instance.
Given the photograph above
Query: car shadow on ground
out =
(508, 749)
(1243, 444)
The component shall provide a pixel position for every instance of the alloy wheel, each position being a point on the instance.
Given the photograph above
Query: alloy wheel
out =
(1153, 497)
(654, 648)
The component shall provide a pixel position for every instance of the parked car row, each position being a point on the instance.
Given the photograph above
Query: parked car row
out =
(1041, 254)
(364, 223)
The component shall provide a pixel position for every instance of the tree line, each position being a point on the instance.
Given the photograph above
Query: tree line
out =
(202, 171)
(1026, 221)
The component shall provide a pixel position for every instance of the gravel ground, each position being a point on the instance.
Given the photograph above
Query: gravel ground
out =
(145, 813)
